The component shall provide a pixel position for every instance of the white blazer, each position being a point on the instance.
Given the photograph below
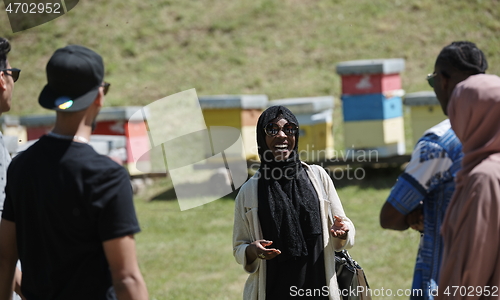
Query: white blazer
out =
(247, 229)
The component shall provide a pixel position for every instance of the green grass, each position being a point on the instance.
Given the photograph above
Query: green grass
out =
(188, 254)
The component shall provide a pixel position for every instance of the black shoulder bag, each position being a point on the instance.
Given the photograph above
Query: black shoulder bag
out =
(351, 278)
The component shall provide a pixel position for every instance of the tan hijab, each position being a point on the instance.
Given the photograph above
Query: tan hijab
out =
(474, 111)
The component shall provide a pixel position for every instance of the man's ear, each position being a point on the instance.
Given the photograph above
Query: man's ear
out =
(3, 81)
(99, 99)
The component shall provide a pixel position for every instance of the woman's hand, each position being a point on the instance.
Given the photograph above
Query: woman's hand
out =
(339, 228)
(257, 250)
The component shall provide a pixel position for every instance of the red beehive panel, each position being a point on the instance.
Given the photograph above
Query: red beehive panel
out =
(370, 83)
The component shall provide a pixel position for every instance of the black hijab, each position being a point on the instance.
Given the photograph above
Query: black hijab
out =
(288, 204)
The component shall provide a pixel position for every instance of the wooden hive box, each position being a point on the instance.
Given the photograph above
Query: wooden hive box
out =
(373, 76)
(425, 112)
(385, 137)
(239, 111)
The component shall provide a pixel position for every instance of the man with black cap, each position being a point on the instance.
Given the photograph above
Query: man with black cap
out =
(69, 213)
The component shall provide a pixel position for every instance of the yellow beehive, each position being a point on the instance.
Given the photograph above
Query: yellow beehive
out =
(425, 112)
(385, 136)
(315, 131)
(238, 111)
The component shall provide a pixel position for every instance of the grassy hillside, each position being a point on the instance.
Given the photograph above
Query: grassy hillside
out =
(280, 48)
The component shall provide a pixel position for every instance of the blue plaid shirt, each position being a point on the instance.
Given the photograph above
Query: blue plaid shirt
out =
(429, 178)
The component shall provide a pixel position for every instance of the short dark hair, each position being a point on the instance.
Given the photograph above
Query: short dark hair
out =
(463, 56)
(4, 49)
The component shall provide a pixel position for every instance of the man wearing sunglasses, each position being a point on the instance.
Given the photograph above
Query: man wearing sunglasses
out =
(8, 76)
(421, 195)
(69, 211)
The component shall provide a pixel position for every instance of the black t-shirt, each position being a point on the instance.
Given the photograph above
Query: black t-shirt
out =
(66, 199)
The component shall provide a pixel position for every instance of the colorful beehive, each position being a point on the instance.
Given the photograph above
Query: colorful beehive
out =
(373, 76)
(386, 137)
(315, 131)
(372, 106)
(111, 135)
(425, 112)
(239, 111)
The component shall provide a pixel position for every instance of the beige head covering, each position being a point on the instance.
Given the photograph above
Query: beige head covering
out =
(474, 112)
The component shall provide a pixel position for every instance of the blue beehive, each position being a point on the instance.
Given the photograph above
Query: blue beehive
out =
(371, 107)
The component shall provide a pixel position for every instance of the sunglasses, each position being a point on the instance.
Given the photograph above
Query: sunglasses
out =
(13, 72)
(430, 79)
(106, 87)
(272, 129)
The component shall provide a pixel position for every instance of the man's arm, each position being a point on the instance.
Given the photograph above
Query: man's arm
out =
(127, 278)
(403, 208)
(391, 218)
(8, 258)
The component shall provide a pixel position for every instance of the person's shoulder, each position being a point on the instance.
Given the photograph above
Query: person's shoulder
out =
(317, 169)
(441, 134)
(440, 139)
(106, 164)
(438, 130)
(251, 183)
(483, 181)
(34, 149)
(247, 194)
(488, 169)
(99, 165)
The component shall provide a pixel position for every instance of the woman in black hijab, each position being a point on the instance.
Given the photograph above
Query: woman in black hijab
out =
(288, 219)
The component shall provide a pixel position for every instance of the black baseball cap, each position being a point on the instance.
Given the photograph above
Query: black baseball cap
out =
(74, 75)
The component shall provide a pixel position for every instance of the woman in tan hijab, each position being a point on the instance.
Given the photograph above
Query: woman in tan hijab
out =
(471, 229)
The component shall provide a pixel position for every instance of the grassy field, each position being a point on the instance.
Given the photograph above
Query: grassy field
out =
(188, 254)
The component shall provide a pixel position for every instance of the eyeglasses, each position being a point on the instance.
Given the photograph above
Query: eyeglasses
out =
(106, 87)
(13, 72)
(430, 79)
(272, 129)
